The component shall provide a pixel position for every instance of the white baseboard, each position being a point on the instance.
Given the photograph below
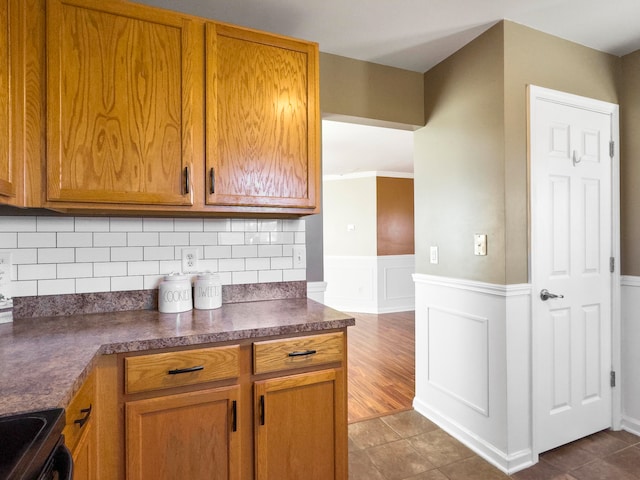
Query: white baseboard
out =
(508, 464)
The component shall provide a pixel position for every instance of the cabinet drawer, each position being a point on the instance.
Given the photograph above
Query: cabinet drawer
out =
(287, 353)
(79, 412)
(175, 369)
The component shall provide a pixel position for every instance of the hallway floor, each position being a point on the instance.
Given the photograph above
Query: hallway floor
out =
(390, 441)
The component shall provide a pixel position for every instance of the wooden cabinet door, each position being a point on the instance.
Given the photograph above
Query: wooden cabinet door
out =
(262, 119)
(85, 456)
(120, 100)
(301, 427)
(190, 435)
(7, 182)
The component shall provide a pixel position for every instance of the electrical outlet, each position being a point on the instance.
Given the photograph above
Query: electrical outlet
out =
(480, 244)
(189, 260)
(299, 256)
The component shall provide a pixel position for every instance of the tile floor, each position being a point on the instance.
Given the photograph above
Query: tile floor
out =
(407, 446)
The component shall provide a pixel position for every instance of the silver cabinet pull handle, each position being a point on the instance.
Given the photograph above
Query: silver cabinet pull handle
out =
(546, 295)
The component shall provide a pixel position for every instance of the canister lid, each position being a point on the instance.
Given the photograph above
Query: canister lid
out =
(209, 276)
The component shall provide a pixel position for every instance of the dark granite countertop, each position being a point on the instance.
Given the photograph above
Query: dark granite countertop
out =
(43, 361)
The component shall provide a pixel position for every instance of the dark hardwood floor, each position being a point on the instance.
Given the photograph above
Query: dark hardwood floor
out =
(381, 364)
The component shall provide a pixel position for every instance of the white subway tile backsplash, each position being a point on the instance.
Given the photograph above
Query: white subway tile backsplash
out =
(143, 239)
(281, 237)
(258, 264)
(127, 254)
(157, 224)
(109, 269)
(55, 224)
(203, 238)
(242, 278)
(280, 263)
(36, 272)
(58, 255)
(56, 287)
(71, 239)
(119, 284)
(143, 268)
(17, 224)
(111, 239)
(125, 224)
(244, 251)
(217, 225)
(297, 275)
(92, 285)
(256, 238)
(159, 253)
(174, 238)
(231, 264)
(27, 288)
(231, 238)
(101, 254)
(269, 276)
(8, 240)
(188, 224)
(269, 250)
(217, 251)
(36, 240)
(170, 266)
(92, 224)
(75, 270)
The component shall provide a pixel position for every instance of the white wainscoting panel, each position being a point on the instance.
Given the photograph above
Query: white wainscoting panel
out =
(370, 284)
(630, 374)
(473, 365)
(315, 291)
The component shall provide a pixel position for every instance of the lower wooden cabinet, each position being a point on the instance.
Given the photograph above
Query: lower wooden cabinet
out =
(300, 427)
(80, 431)
(190, 435)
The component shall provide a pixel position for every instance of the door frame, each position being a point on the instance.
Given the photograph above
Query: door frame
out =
(535, 93)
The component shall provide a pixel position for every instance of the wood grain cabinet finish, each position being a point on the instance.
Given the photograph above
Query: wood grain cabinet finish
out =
(262, 119)
(7, 182)
(120, 99)
(300, 429)
(191, 435)
(80, 432)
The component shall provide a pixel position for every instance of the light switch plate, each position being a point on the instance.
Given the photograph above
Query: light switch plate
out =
(299, 256)
(433, 255)
(5, 270)
(480, 244)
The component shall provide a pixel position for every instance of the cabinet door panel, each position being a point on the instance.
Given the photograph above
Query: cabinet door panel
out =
(261, 119)
(7, 186)
(186, 435)
(301, 427)
(119, 100)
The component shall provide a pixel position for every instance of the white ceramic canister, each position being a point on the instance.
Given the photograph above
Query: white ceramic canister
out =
(175, 294)
(207, 292)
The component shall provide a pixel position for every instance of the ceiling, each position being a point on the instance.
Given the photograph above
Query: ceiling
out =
(413, 35)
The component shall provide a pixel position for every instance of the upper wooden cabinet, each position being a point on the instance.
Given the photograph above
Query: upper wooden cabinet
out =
(7, 186)
(262, 119)
(122, 84)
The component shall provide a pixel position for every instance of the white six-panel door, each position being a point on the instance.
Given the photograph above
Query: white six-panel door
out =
(571, 235)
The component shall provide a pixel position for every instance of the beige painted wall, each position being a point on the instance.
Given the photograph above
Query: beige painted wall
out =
(630, 163)
(368, 93)
(536, 58)
(459, 163)
(350, 201)
(471, 158)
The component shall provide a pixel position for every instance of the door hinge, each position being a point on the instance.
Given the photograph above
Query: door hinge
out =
(612, 145)
(612, 264)
(612, 378)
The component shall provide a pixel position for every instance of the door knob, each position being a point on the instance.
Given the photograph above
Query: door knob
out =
(546, 295)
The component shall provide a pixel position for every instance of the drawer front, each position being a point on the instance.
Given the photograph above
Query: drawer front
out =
(176, 369)
(79, 412)
(288, 353)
